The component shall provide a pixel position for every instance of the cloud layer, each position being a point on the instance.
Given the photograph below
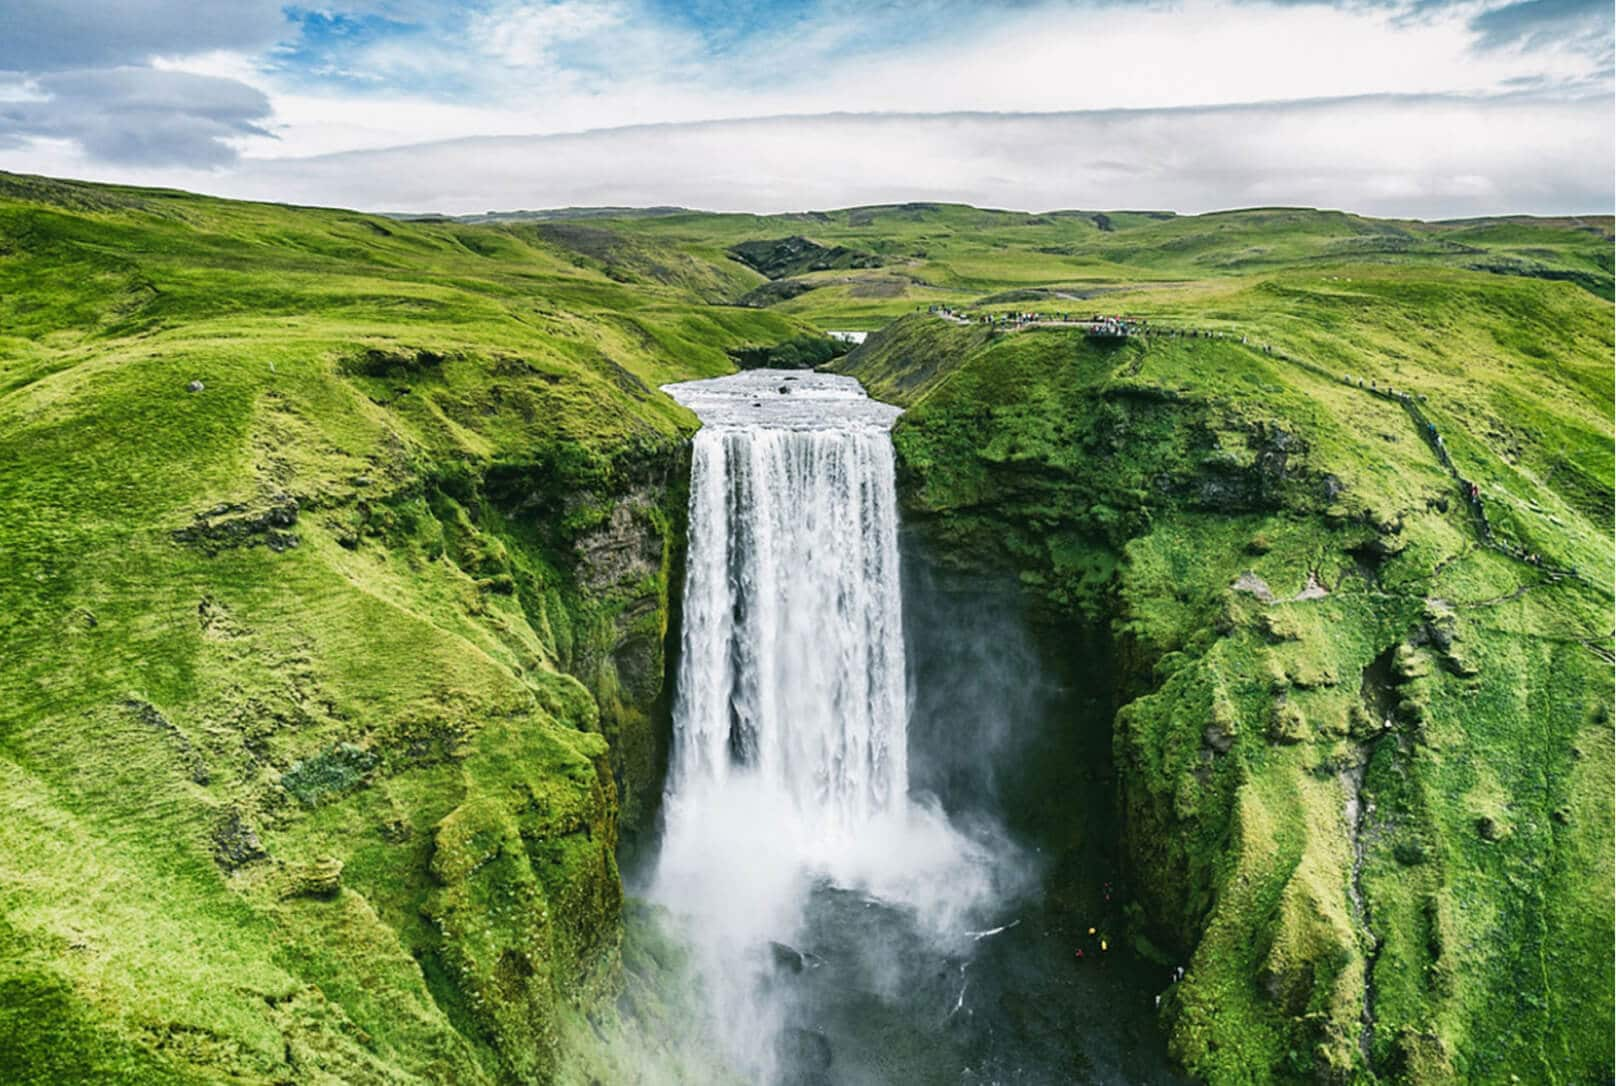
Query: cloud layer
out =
(49, 35)
(140, 116)
(1419, 107)
(1429, 156)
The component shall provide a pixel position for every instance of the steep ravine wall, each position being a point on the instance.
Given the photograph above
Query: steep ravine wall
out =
(592, 553)
(625, 544)
(394, 721)
(1354, 759)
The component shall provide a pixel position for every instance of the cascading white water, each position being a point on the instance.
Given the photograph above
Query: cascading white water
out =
(789, 765)
(792, 663)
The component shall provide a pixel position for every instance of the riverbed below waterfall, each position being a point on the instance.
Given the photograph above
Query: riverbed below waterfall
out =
(1010, 1006)
(856, 923)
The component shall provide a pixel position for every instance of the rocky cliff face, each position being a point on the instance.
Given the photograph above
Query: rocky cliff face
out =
(624, 553)
(587, 552)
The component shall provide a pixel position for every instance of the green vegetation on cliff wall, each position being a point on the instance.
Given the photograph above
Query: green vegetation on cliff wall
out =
(335, 560)
(1364, 758)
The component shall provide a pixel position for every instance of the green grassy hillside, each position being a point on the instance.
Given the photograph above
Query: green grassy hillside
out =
(338, 554)
(375, 596)
(1364, 755)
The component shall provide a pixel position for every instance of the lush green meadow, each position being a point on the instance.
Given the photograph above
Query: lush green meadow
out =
(338, 554)
(1071, 260)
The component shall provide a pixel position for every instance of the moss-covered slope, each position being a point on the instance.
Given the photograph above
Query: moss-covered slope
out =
(335, 560)
(1364, 757)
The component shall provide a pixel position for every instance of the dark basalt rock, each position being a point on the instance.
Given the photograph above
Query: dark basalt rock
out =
(228, 525)
(787, 958)
(776, 290)
(1226, 481)
(782, 257)
(396, 363)
(797, 353)
(235, 843)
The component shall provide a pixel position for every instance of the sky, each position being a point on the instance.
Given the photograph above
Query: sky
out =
(1412, 108)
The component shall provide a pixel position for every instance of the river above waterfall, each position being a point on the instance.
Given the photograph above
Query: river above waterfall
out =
(784, 399)
(847, 928)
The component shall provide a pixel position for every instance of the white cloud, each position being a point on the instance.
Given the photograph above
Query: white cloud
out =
(139, 116)
(528, 35)
(1398, 156)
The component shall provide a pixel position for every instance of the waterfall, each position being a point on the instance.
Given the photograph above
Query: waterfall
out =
(789, 767)
(791, 666)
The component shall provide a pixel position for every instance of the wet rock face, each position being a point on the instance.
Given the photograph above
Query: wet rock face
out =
(788, 959)
(807, 1052)
(628, 563)
(625, 549)
(637, 657)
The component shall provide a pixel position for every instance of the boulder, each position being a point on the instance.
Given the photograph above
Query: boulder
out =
(235, 843)
(1255, 585)
(786, 958)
